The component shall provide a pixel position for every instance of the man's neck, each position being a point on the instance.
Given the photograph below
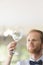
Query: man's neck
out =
(36, 56)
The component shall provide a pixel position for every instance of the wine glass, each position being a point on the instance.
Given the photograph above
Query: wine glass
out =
(15, 35)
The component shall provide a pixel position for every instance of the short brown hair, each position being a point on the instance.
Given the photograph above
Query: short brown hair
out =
(39, 31)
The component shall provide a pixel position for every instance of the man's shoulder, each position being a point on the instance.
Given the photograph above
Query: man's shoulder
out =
(23, 62)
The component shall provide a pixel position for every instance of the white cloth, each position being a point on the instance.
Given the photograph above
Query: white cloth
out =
(26, 62)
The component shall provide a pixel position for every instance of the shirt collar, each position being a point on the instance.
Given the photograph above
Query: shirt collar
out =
(41, 58)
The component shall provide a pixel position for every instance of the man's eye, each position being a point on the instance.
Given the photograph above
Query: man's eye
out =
(28, 40)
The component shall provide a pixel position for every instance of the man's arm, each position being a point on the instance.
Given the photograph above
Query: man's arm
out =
(11, 47)
(8, 60)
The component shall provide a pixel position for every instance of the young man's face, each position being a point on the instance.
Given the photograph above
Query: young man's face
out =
(34, 44)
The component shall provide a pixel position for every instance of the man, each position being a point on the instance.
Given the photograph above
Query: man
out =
(34, 46)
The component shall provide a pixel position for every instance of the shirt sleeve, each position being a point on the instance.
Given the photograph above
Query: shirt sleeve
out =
(22, 63)
(18, 63)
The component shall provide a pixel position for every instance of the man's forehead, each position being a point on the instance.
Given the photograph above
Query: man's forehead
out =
(35, 31)
(34, 35)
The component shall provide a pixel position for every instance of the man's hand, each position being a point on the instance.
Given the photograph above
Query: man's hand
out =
(11, 47)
